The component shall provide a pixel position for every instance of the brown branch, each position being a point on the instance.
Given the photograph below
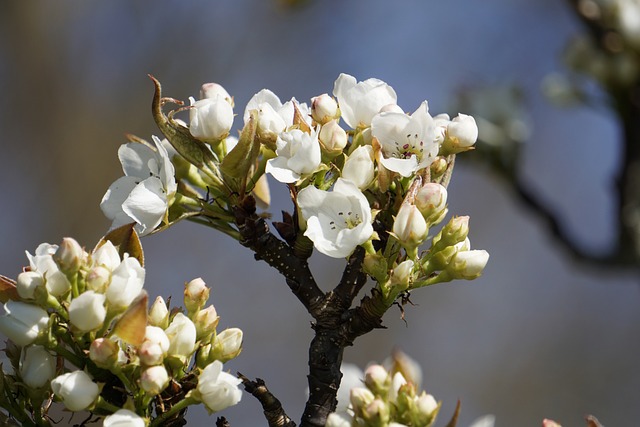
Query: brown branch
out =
(272, 408)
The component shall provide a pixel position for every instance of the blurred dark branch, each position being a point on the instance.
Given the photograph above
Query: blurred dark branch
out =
(273, 411)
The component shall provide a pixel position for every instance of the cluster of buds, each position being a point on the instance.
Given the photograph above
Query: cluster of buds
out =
(388, 396)
(80, 333)
(380, 182)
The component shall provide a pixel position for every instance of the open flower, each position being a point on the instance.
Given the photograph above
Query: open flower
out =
(408, 143)
(298, 154)
(142, 195)
(337, 221)
(274, 116)
(217, 389)
(360, 101)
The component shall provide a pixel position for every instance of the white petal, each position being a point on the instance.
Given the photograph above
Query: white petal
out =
(115, 196)
(265, 96)
(405, 167)
(147, 204)
(135, 158)
(279, 169)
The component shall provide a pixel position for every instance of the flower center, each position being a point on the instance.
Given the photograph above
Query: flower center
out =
(413, 146)
(346, 220)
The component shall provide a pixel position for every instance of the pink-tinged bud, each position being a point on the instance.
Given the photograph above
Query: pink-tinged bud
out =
(214, 90)
(377, 379)
(210, 119)
(105, 353)
(376, 413)
(69, 255)
(159, 313)
(76, 390)
(332, 138)
(23, 323)
(87, 311)
(359, 167)
(154, 379)
(37, 366)
(196, 294)
(550, 423)
(431, 200)
(206, 321)
(227, 345)
(324, 108)
(410, 228)
(98, 278)
(154, 347)
(27, 283)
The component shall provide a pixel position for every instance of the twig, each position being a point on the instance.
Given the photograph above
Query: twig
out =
(272, 408)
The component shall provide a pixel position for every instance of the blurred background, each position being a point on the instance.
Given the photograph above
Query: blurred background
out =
(538, 335)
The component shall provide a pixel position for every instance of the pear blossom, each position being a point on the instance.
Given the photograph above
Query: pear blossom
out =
(76, 389)
(407, 143)
(37, 366)
(123, 418)
(211, 118)
(106, 353)
(227, 344)
(43, 263)
(154, 379)
(154, 347)
(359, 167)
(159, 313)
(126, 283)
(107, 256)
(360, 101)
(351, 377)
(22, 322)
(410, 227)
(468, 264)
(332, 137)
(217, 389)
(274, 117)
(460, 135)
(298, 154)
(182, 336)
(337, 221)
(324, 108)
(27, 283)
(87, 311)
(142, 195)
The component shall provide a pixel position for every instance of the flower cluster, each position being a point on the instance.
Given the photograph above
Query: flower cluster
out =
(380, 182)
(80, 333)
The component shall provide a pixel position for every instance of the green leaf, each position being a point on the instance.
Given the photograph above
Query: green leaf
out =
(126, 240)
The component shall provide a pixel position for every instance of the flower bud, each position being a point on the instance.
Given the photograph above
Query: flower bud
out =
(431, 200)
(22, 323)
(126, 283)
(154, 379)
(106, 353)
(87, 311)
(182, 337)
(37, 366)
(159, 313)
(360, 397)
(338, 419)
(123, 418)
(550, 423)
(401, 275)
(376, 414)
(426, 407)
(376, 267)
(359, 167)
(206, 321)
(468, 264)
(324, 108)
(154, 347)
(98, 278)
(438, 167)
(410, 228)
(217, 389)
(214, 90)
(461, 134)
(333, 138)
(107, 256)
(454, 232)
(397, 381)
(377, 379)
(76, 390)
(227, 345)
(27, 283)
(196, 294)
(69, 255)
(210, 119)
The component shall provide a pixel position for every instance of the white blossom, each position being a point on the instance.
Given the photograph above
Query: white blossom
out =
(22, 323)
(43, 263)
(27, 283)
(87, 311)
(211, 118)
(126, 283)
(324, 108)
(337, 221)
(360, 101)
(408, 143)
(359, 167)
(217, 389)
(182, 336)
(142, 195)
(37, 366)
(154, 379)
(298, 154)
(123, 418)
(274, 117)
(76, 389)
(154, 347)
